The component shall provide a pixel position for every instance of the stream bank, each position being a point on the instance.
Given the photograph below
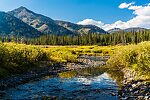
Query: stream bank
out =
(83, 80)
(53, 69)
(133, 89)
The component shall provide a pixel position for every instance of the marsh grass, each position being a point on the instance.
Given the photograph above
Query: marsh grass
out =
(17, 58)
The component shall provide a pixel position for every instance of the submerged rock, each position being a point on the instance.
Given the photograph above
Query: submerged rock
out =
(135, 90)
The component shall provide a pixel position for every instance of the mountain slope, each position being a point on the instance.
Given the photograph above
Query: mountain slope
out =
(114, 30)
(134, 29)
(42, 23)
(80, 29)
(10, 25)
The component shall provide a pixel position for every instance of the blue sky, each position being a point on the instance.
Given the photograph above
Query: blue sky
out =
(106, 11)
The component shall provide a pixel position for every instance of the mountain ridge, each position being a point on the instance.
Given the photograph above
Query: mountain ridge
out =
(12, 26)
(132, 29)
(41, 25)
(81, 29)
(47, 25)
(40, 22)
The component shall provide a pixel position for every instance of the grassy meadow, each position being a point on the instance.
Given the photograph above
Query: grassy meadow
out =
(16, 58)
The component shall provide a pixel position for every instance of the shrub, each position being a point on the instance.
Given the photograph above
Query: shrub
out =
(61, 54)
(136, 57)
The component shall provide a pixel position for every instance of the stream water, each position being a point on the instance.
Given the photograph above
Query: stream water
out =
(83, 84)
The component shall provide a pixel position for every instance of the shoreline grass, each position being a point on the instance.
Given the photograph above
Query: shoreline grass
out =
(15, 58)
(133, 57)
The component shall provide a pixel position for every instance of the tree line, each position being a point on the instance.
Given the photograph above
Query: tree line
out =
(84, 39)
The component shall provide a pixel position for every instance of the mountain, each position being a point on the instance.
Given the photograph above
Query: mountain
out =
(40, 22)
(114, 30)
(12, 26)
(24, 22)
(134, 29)
(81, 29)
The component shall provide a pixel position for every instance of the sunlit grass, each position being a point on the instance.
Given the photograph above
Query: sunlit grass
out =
(134, 57)
(15, 57)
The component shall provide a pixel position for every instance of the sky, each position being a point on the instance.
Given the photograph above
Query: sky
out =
(106, 14)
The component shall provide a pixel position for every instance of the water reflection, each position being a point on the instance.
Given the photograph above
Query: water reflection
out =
(83, 84)
(116, 75)
(94, 71)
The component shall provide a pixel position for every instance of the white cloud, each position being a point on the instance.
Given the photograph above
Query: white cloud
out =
(143, 11)
(125, 5)
(117, 24)
(91, 22)
(134, 7)
(141, 19)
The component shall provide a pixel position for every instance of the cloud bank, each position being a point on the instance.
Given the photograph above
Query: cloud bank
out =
(141, 19)
(125, 5)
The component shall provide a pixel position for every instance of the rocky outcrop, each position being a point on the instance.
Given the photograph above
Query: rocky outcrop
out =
(40, 22)
(134, 89)
(88, 61)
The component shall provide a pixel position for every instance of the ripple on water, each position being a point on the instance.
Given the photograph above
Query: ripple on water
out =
(100, 87)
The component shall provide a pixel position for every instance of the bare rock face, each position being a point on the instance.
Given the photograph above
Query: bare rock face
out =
(49, 26)
(42, 23)
(132, 29)
(81, 29)
(114, 30)
(12, 26)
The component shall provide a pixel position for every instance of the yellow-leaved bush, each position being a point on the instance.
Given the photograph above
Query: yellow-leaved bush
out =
(61, 54)
(136, 57)
(17, 57)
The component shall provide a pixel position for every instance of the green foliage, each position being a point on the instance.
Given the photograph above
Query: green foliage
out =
(118, 38)
(68, 74)
(61, 54)
(3, 73)
(18, 57)
(94, 50)
(136, 57)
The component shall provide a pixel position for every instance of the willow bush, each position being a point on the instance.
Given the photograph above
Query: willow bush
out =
(18, 57)
(135, 57)
(61, 54)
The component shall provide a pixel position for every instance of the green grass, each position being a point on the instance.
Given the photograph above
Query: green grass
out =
(61, 54)
(17, 58)
(133, 57)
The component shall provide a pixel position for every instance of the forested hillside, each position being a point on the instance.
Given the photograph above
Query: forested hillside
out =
(120, 37)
